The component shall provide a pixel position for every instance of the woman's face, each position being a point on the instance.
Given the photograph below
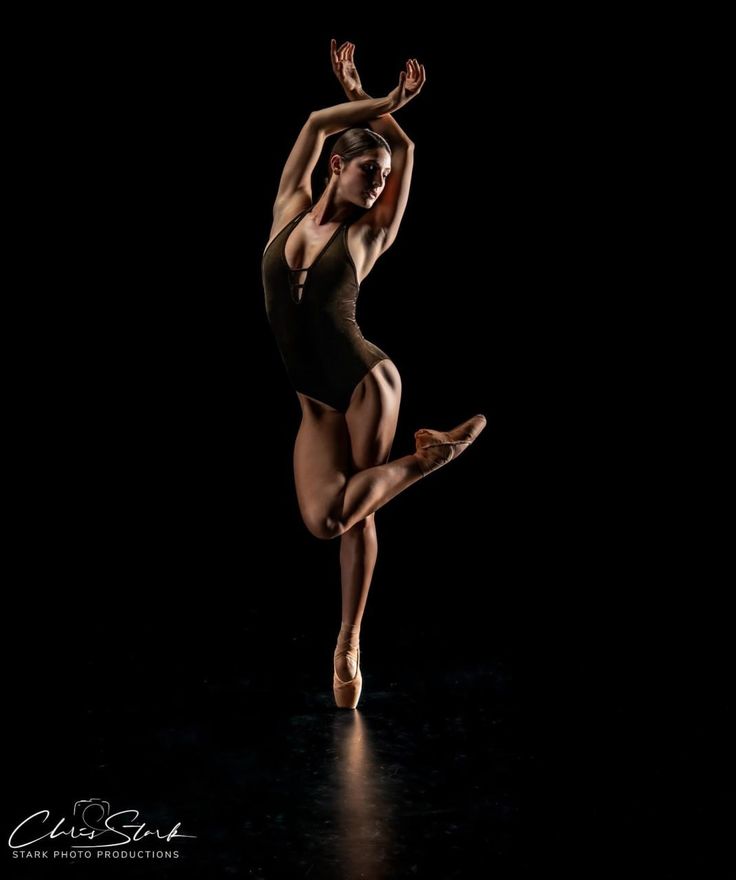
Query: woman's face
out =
(362, 179)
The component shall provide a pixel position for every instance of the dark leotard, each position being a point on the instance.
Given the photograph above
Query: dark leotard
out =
(314, 323)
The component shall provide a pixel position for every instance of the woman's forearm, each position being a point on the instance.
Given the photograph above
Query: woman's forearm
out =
(386, 125)
(357, 112)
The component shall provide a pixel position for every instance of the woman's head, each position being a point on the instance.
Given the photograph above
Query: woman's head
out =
(360, 162)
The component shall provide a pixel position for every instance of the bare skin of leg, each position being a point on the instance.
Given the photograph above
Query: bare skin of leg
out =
(332, 498)
(343, 476)
(371, 421)
(358, 554)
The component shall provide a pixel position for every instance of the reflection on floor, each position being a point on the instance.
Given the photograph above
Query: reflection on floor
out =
(415, 782)
(361, 801)
(275, 781)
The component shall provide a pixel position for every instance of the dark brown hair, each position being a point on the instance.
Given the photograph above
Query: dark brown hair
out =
(355, 142)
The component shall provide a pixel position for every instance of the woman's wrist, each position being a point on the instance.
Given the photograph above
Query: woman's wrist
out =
(356, 94)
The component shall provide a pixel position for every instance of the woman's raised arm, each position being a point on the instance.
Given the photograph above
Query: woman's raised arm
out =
(343, 66)
(295, 186)
(385, 217)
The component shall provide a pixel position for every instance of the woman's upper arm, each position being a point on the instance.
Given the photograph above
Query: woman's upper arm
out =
(385, 217)
(296, 178)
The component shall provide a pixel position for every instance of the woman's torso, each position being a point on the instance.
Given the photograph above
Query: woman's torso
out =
(306, 240)
(311, 288)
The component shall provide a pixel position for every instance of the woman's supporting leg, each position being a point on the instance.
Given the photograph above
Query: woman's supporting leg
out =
(358, 553)
(371, 422)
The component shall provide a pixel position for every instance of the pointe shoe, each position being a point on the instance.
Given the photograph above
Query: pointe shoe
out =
(436, 448)
(347, 693)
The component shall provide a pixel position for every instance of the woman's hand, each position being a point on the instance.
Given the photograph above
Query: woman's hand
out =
(345, 70)
(410, 84)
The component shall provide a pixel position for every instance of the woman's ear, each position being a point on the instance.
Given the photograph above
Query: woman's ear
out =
(336, 164)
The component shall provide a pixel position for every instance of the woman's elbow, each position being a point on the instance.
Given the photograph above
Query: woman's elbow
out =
(316, 120)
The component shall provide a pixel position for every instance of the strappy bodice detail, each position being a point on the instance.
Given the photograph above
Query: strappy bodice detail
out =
(295, 274)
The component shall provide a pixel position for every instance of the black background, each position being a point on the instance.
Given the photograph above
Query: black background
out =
(153, 544)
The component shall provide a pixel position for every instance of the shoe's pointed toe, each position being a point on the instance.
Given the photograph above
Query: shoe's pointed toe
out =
(347, 693)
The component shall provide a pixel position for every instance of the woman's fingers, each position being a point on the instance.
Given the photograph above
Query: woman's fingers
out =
(412, 77)
(335, 54)
(415, 75)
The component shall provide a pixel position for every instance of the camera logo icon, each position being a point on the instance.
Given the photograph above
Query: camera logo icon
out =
(92, 813)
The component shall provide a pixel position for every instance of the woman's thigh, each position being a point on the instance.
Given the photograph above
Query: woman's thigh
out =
(322, 465)
(372, 415)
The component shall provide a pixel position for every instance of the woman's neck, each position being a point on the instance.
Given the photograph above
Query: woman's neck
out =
(326, 210)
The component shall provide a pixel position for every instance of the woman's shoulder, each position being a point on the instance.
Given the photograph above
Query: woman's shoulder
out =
(285, 211)
(282, 217)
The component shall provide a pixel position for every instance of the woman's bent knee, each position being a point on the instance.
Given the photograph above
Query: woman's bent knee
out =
(324, 527)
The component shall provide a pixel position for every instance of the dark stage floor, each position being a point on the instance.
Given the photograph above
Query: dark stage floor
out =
(275, 781)
(449, 767)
